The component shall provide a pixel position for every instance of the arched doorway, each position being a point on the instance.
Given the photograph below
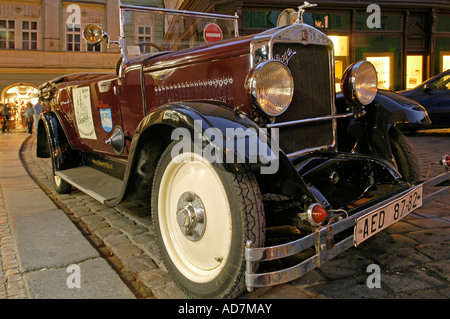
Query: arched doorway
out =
(17, 96)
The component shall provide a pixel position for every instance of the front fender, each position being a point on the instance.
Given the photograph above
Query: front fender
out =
(53, 143)
(228, 136)
(371, 132)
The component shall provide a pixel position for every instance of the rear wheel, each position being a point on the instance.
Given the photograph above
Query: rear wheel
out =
(404, 156)
(61, 186)
(203, 217)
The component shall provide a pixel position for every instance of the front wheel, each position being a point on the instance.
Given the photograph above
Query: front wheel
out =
(203, 217)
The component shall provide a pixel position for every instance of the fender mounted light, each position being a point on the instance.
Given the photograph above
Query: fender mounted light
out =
(316, 214)
(359, 82)
(446, 161)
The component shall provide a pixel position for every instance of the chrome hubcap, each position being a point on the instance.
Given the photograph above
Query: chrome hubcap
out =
(191, 216)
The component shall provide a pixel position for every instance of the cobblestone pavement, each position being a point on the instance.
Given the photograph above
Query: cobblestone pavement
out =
(413, 255)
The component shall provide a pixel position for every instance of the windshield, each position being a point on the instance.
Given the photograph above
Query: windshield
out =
(149, 29)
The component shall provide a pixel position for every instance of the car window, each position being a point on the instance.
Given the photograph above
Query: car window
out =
(148, 30)
(441, 84)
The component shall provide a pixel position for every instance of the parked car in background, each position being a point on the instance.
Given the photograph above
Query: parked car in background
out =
(434, 95)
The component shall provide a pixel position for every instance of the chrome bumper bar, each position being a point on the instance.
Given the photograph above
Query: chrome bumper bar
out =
(324, 250)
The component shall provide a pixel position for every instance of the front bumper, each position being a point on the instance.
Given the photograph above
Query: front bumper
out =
(325, 249)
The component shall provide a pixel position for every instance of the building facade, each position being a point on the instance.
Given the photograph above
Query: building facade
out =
(42, 39)
(407, 41)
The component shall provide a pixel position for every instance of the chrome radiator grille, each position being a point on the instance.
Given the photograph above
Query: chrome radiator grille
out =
(310, 67)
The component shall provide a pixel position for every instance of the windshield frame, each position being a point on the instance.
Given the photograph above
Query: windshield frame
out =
(124, 7)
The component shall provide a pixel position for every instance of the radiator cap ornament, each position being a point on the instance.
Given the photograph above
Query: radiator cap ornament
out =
(301, 10)
(290, 16)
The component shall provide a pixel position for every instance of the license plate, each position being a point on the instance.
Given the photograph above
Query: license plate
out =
(374, 222)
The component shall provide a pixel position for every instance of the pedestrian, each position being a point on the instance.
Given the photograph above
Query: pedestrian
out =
(6, 113)
(37, 108)
(28, 113)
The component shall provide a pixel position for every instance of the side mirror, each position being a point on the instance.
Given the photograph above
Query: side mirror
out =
(427, 89)
(93, 34)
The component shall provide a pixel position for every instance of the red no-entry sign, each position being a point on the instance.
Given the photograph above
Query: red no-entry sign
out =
(212, 32)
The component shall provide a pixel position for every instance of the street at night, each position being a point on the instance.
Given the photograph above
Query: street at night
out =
(230, 150)
(412, 255)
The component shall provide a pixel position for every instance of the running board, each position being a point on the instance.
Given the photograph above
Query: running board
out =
(94, 183)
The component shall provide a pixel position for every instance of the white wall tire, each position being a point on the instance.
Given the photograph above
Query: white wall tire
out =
(203, 217)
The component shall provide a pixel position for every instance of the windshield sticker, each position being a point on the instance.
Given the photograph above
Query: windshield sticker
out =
(106, 118)
(83, 112)
(133, 50)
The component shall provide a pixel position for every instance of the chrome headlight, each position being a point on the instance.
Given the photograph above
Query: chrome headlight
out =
(359, 82)
(93, 34)
(271, 87)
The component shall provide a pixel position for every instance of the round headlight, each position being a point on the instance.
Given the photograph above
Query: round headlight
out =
(359, 82)
(93, 34)
(271, 86)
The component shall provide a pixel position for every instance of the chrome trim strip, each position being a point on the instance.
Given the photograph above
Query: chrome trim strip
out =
(280, 251)
(304, 121)
(319, 240)
(261, 48)
(281, 276)
(178, 12)
(310, 150)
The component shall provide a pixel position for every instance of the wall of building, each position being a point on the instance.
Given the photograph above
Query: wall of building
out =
(38, 41)
(411, 43)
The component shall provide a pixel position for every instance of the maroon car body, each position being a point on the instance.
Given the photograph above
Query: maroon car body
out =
(322, 166)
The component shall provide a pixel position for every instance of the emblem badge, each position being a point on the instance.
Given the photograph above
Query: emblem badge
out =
(106, 118)
(286, 56)
(304, 35)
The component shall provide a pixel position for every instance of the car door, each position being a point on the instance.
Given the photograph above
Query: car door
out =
(97, 113)
(435, 97)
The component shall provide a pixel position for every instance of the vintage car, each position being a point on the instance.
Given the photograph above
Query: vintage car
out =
(230, 140)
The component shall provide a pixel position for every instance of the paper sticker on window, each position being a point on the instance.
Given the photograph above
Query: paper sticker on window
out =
(133, 50)
(83, 112)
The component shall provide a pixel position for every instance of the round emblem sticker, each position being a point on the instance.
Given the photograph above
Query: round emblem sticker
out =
(212, 33)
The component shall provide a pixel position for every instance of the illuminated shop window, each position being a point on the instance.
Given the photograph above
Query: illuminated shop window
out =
(445, 61)
(414, 71)
(383, 66)
(341, 54)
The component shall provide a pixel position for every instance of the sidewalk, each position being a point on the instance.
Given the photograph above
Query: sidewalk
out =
(38, 242)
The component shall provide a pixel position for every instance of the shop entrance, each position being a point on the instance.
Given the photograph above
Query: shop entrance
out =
(414, 71)
(17, 96)
(341, 55)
